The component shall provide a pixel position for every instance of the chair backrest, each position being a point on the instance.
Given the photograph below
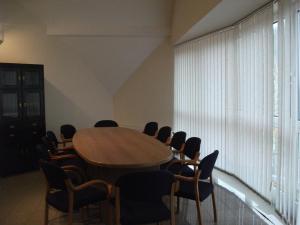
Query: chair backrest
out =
(68, 131)
(42, 152)
(164, 133)
(49, 145)
(207, 164)
(192, 147)
(150, 128)
(145, 186)
(55, 175)
(106, 123)
(52, 137)
(178, 140)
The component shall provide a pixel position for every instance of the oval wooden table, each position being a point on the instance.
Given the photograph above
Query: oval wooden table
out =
(114, 151)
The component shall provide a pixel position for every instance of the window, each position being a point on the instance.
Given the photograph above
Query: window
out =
(238, 90)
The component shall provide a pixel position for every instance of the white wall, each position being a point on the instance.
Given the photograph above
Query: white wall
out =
(72, 92)
(187, 13)
(148, 94)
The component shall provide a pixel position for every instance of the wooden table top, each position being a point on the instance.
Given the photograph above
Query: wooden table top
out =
(119, 147)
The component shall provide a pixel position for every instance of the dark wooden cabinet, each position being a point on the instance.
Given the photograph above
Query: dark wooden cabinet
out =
(22, 116)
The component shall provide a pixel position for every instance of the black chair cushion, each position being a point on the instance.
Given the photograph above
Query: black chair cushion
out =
(192, 146)
(133, 212)
(178, 140)
(106, 123)
(186, 190)
(67, 131)
(90, 195)
(150, 128)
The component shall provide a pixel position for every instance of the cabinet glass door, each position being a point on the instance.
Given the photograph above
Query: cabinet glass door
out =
(31, 78)
(9, 105)
(32, 104)
(8, 78)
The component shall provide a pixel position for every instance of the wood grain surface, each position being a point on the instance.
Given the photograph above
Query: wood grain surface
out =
(117, 147)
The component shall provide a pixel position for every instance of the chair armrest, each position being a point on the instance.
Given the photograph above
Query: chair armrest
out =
(94, 183)
(62, 157)
(184, 178)
(76, 169)
(67, 148)
(183, 162)
(66, 140)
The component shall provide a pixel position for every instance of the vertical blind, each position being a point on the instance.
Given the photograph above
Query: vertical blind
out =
(286, 178)
(254, 68)
(201, 71)
(238, 90)
(223, 94)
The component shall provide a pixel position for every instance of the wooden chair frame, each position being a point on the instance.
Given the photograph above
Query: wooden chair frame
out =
(72, 190)
(196, 180)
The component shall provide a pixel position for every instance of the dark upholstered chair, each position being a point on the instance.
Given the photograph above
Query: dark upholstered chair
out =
(52, 147)
(176, 145)
(106, 123)
(151, 128)
(199, 186)
(63, 161)
(164, 134)
(64, 196)
(178, 141)
(52, 137)
(191, 150)
(139, 198)
(60, 159)
(67, 132)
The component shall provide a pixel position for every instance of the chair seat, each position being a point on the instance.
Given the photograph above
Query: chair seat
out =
(186, 190)
(90, 195)
(133, 212)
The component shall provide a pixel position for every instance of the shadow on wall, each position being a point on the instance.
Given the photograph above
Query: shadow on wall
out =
(58, 110)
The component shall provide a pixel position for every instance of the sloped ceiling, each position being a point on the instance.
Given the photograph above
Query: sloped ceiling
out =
(112, 36)
(226, 13)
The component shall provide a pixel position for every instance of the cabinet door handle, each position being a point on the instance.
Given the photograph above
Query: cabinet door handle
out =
(11, 135)
(11, 126)
(34, 124)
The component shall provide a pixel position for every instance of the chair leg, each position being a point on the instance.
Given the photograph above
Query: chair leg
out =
(70, 211)
(197, 199)
(198, 211)
(214, 206)
(46, 214)
(177, 205)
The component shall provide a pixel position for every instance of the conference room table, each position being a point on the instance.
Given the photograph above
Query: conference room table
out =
(114, 151)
